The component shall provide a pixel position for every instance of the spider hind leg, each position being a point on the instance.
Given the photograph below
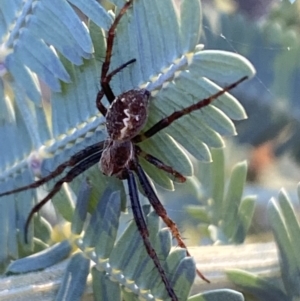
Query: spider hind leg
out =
(161, 211)
(159, 164)
(142, 228)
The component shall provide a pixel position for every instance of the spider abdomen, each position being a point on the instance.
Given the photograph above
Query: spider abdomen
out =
(127, 114)
(116, 158)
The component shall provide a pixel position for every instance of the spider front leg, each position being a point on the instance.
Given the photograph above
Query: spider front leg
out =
(101, 93)
(161, 211)
(105, 79)
(142, 228)
(165, 122)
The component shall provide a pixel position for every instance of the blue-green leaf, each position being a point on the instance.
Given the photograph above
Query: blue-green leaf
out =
(74, 280)
(42, 260)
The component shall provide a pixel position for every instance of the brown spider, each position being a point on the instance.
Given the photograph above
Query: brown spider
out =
(118, 155)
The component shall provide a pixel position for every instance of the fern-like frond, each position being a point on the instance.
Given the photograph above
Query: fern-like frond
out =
(286, 229)
(170, 64)
(224, 211)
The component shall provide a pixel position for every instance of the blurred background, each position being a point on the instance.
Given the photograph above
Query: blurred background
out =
(267, 33)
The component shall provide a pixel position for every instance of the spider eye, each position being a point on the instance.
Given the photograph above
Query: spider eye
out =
(146, 93)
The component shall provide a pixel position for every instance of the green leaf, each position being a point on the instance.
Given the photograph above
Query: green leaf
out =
(291, 222)
(257, 286)
(42, 260)
(130, 265)
(198, 212)
(245, 214)
(233, 198)
(74, 280)
(216, 295)
(282, 219)
(80, 212)
(103, 288)
(217, 187)
(227, 214)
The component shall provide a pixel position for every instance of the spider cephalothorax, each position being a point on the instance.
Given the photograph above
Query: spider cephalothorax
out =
(127, 114)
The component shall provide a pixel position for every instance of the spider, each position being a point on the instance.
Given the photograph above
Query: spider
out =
(119, 154)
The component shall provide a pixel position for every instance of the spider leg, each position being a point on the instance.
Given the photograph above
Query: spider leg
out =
(99, 104)
(117, 70)
(82, 166)
(160, 125)
(71, 162)
(142, 228)
(161, 211)
(159, 164)
(110, 40)
(100, 94)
